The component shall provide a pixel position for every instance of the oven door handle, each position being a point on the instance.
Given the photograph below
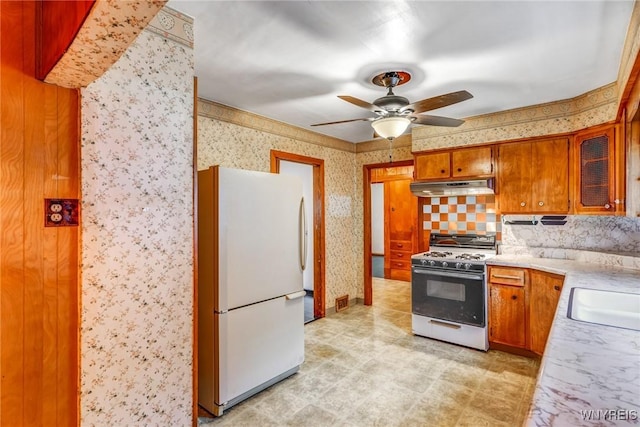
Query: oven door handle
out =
(448, 274)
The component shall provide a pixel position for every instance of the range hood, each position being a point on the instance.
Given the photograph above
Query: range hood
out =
(469, 187)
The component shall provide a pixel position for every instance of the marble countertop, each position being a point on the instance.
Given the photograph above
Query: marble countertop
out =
(589, 374)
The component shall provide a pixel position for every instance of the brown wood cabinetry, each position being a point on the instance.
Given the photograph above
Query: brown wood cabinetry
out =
(454, 164)
(544, 293)
(595, 172)
(533, 177)
(522, 305)
(433, 166)
(400, 220)
(507, 309)
(401, 214)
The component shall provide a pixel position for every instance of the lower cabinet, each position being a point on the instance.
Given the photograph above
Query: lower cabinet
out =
(507, 319)
(507, 309)
(544, 293)
(522, 305)
(400, 260)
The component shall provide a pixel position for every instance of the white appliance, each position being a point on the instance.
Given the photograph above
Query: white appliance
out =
(251, 249)
(448, 289)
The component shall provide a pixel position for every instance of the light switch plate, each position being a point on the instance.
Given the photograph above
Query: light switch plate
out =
(61, 212)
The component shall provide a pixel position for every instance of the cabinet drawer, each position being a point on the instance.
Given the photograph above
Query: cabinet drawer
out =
(400, 245)
(400, 256)
(507, 276)
(397, 264)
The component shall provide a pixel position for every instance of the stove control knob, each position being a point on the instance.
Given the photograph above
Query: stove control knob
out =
(467, 266)
(423, 261)
(458, 265)
(432, 262)
(445, 264)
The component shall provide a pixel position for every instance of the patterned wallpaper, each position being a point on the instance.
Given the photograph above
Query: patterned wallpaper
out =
(630, 52)
(593, 108)
(137, 256)
(235, 146)
(461, 215)
(110, 27)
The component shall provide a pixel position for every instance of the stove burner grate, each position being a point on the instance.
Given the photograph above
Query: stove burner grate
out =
(470, 256)
(438, 254)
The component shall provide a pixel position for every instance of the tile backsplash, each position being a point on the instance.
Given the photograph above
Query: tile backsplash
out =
(461, 215)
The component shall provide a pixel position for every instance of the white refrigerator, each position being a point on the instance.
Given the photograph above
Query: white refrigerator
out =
(251, 256)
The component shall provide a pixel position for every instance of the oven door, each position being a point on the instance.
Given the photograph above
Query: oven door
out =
(448, 295)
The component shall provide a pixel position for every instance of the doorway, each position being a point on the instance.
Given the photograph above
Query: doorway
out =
(311, 172)
(387, 195)
(377, 229)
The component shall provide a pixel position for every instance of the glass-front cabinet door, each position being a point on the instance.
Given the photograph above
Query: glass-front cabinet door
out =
(595, 172)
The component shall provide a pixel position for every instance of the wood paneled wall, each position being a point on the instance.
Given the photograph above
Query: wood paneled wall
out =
(39, 158)
(58, 24)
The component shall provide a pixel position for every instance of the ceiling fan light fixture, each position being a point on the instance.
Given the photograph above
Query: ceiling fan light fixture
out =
(390, 127)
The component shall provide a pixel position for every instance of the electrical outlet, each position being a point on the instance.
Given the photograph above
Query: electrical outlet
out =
(61, 212)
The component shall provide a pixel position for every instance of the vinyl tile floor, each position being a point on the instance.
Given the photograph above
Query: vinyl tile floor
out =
(363, 367)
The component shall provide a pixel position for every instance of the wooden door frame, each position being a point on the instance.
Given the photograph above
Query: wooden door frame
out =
(366, 202)
(318, 222)
(194, 356)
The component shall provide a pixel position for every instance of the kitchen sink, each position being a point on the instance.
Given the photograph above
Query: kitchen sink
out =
(618, 309)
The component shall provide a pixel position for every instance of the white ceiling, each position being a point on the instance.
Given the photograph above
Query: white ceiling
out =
(289, 60)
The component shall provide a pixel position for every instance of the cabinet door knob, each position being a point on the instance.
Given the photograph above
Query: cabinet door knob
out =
(514, 297)
(607, 206)
(459, 169)
(540, 203)
(523, 204)
(441, 170)
(556, 287)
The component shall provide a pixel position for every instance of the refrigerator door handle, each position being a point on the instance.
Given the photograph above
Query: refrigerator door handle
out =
(303, 235)
(296, 295)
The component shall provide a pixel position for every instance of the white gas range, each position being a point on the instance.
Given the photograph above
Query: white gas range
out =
(448, 289)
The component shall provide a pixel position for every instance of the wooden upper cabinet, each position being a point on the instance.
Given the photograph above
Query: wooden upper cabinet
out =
(455, 164)
(514, 177)
(391, 173)
(550, 173)
(401, 210)
(595, 172)
(533, 177)
(433, 166)
(544, 293)
(472, 162)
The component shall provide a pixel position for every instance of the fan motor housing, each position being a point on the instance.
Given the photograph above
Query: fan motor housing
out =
(391, 102)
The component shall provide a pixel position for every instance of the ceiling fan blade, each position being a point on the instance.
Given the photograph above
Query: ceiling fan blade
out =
(360, 103)
(438, 102)
(437, 121)
(368, 119)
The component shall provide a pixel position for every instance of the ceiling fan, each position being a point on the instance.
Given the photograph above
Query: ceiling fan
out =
(394, 113)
